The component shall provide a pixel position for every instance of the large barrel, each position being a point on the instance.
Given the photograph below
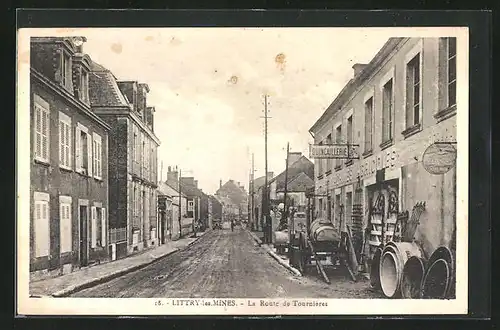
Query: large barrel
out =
(323, 230)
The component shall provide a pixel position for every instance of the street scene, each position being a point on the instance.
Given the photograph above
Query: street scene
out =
(164, 164)
(223, 264)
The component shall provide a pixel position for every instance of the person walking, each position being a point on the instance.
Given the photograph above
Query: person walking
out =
(232, 224)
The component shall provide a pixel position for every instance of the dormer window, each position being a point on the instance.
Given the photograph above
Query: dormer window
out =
(84, 87)
(66, 70)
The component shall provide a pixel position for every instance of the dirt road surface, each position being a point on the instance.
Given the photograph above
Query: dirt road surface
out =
(225, 264)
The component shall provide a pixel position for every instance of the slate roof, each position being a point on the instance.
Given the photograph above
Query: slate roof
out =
(299, 183)
(165, 188)
(301, 165)
(103, 89)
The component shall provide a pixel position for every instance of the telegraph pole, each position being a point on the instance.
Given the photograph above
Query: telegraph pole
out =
(180, 205)
(285, 207)
(267, 230)
(252, 207)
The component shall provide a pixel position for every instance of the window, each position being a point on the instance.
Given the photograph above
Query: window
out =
(387, 111)
(42, 129)
(190, 206)
(349, 138)
(369, 125)
(413, 92)
(65, 224)
(338, 139)
(41, 224)
(64, 141)
(320, 163)
(97, 156)
(65, 70)
(83, 142)
(452, 71)
(98, 226)
(329, 161)
(84, 86)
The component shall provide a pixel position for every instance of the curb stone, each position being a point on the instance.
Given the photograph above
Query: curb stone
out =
(275, 256)
(78, 287)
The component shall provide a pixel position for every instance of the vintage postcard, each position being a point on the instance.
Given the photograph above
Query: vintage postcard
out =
(242, 171)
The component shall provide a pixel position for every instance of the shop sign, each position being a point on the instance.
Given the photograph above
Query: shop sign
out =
(439, 157)
(333, 151)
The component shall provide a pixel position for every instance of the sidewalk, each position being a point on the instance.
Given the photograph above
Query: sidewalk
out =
(282, 260)
(66, 284)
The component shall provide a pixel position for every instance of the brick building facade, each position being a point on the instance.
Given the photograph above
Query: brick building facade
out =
(69, 170)
(132, 160)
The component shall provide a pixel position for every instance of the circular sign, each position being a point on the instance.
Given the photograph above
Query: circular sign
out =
(439, 157)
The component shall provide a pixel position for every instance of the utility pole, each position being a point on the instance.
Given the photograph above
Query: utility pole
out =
(252, 207)
(180, 205)
(285, 206)
(265, 207)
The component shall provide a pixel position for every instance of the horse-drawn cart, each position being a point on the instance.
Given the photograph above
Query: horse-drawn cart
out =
(318, 243)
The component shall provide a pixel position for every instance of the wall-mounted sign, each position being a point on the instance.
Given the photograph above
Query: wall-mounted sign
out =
(439, 157)
(333, 151)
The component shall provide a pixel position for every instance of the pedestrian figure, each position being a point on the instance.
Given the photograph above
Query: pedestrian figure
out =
(232, 225)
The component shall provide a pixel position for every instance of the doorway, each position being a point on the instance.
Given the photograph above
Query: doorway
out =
(83, 235)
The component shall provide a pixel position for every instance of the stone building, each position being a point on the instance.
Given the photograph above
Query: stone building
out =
(394, 108)
(132, 159)
(69, 168)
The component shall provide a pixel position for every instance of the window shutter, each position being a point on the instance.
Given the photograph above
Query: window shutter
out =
(45, 133)
(89, 152)
(103, 226)
(94, 226)
(61, 143)
(38, 131)
(41, 229)
(67, 151)
(78, 149)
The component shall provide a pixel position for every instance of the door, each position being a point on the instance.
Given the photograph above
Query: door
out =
(83, 236)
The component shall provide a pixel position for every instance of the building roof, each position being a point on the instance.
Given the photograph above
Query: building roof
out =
(299, 183)
(301, 165)
(233, 191)
(164, 188)
(103, 88)
(355, 83)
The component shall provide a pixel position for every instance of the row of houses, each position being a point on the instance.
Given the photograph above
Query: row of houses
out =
(95, 193)
(393, 109)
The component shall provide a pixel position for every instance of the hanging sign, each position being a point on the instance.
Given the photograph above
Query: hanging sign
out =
(439, 157)
(333, 151)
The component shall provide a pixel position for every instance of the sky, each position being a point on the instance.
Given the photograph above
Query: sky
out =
(207, 85)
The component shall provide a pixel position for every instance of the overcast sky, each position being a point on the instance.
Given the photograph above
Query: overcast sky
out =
(207, 85)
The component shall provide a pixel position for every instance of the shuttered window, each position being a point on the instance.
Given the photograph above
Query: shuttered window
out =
(97, 156)
(41, 225)
(64, 141)
(42, 129)
(93, 225)
(65, 226)
(103, 227)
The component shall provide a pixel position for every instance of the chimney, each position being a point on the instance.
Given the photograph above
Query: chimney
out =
(220, 184)
(358, 67)
(196, 183)
(293, 157)
(270, 175)
(172, 175)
